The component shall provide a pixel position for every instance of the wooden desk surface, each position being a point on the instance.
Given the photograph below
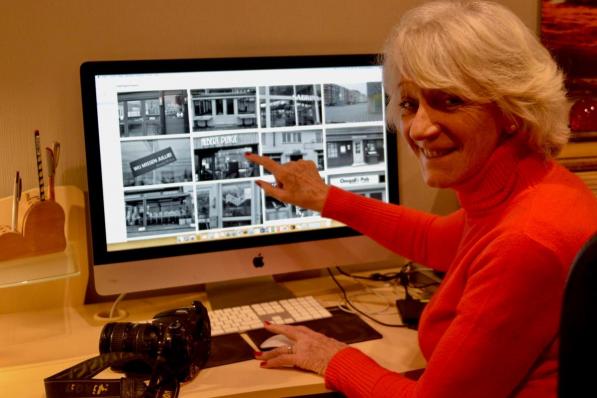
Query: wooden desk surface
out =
(38, 344)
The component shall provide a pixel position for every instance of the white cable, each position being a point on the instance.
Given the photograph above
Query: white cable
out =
(113, 309)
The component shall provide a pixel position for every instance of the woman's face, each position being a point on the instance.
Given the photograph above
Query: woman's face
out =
(451, 138)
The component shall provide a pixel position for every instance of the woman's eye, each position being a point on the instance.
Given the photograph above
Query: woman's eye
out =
(408, 105)
(444, 102)
(452, 101)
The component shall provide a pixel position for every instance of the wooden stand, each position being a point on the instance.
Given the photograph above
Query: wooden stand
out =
(40, 230)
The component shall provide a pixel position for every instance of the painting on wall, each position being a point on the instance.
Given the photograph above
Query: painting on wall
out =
(569, 31)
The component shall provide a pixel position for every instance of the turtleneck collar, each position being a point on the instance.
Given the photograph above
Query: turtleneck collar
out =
(508, 171)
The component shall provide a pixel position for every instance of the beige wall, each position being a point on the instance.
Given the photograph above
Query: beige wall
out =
(43, 42)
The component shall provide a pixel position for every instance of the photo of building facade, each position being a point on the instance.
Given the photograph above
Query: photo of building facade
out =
(224, 205)
(276, 210)
(354, 146)
(159, 211)
(153, 113)
(285, 106)
(156, 161)
(223, 108)
(287, 146)
(353, 102)
(221, 157)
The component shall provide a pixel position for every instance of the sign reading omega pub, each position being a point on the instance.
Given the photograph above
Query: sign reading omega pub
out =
(151, 162)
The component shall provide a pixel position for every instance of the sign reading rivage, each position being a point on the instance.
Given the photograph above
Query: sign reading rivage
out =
(151, 162)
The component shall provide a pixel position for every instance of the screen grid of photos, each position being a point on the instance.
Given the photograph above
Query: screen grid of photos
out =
(183, 163)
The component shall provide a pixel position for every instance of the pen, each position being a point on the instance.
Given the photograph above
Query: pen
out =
(40, 168)
(16, 197)
(56, 150)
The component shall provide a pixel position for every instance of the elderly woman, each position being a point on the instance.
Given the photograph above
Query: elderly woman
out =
(481, 104)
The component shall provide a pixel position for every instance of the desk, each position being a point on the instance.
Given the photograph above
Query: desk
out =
(37, 344)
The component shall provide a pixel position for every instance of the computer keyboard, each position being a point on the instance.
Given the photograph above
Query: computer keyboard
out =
(249, 317)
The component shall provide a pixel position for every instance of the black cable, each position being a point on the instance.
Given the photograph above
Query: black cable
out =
(358, 310)
(403, 275)
(340, 270)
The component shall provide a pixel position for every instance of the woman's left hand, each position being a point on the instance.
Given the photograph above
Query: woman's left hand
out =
(310, 350)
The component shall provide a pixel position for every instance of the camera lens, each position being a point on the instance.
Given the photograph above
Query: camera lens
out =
(141, 338)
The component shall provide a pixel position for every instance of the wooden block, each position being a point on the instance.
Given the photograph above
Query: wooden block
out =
(43, 227)
(40, 230)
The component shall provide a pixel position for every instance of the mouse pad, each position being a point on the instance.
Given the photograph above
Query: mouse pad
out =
(229, 348)
(348, 328)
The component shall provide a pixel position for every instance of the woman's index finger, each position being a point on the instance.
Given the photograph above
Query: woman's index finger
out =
(268, 163)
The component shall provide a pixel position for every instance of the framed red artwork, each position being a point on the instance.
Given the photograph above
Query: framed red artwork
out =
(569, 31)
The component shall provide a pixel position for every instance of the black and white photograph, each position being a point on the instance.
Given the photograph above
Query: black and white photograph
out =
(241, 204)
(354, 146)
(287, 146)
(154, 162)
(153, 113)
(224, 108)
(160, 211)
(351, 103)
(291, 105)
(221, 157)
(276, 210)
(371, 184)
(308, 104)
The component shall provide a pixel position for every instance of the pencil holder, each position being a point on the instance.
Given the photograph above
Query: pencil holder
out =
(40, 230)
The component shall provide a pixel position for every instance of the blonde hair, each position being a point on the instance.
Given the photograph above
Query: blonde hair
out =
(482, 52)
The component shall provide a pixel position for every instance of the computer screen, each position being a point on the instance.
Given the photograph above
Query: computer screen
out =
(172, 199)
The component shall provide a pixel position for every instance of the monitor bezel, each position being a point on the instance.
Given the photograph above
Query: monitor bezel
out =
(90, 69)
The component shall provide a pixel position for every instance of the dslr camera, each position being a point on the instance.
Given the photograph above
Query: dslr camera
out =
(170, 349)
(177, 340)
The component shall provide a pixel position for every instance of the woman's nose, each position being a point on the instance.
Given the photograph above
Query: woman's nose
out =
(423, 127)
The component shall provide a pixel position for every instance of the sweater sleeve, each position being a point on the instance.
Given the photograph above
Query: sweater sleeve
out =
(514, 285)
(422, 237)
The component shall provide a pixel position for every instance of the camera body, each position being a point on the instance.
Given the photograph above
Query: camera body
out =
(177, 342)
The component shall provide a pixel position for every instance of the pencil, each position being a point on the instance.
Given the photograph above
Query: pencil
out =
(40, 167)
(16, 197)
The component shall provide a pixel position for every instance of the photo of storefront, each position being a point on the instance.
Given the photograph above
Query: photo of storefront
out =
(286, 146)
(283, 106)
(153, 113)
(371, 184)
(228, 205)
(160, 211)
(348, 103)
(157, 161)
(221, 157)
(355, 146)
(276, 210)
(224, 108)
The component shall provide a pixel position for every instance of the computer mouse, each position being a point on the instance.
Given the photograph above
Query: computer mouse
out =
(277, 340)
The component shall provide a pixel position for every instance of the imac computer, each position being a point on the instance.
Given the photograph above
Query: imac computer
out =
(172, 200)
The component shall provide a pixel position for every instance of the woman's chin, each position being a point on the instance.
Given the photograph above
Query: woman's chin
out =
(435, 180)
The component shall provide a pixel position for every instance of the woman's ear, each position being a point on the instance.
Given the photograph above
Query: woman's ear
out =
(510, 125)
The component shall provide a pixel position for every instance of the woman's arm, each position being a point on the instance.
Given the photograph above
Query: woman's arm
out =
(506, 319)
(422, 237)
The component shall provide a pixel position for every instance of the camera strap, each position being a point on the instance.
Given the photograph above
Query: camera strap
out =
(78, 382)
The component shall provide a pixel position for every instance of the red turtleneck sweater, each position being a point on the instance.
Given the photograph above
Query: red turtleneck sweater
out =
(491, 329)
